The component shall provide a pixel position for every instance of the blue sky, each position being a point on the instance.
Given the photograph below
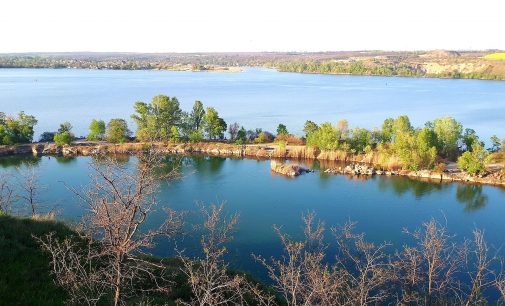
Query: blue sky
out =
(245, 25)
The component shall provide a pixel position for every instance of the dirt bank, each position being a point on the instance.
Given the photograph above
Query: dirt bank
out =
(358, 164)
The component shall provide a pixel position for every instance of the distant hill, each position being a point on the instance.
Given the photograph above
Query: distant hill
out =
(436, 63)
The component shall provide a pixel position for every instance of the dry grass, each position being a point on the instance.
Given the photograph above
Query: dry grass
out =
(291, 139)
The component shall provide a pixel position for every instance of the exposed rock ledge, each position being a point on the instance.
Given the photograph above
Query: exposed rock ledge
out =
(287, 169)
(359, 165)
(496, 178)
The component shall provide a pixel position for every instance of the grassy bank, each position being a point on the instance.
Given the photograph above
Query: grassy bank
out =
(24, 272)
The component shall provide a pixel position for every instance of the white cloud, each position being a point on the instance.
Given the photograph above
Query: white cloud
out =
(260, 25)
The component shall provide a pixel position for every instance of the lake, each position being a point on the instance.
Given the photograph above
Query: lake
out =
(254, 98)
(382, 206)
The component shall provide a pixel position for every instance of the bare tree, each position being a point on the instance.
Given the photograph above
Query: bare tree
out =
(482, 276)
(301, 276)
(117, 204)
(233, 131)
(364, 266)
(30, 188)
(427, 272)
(77, 268)
(500, 285)
(6, 194)
(208, 276)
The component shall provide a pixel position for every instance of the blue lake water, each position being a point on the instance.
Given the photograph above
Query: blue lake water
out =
(382, 206)
(254, 98)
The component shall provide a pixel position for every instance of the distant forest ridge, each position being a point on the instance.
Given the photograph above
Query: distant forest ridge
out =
(488, 64)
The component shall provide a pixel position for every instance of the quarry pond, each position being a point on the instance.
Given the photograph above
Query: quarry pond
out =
(382, 206)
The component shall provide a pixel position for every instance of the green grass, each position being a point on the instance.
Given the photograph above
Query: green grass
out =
(500, 55)
(24, 268)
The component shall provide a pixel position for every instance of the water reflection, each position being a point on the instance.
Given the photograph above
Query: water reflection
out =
(402, 185)
(65, 160)
(471, 196)
(205, 165)
(19, 160)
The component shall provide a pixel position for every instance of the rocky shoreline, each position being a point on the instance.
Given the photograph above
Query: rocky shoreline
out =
(357, 165)
(433, 176)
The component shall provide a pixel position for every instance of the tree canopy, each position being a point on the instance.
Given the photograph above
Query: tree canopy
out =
(16, 130)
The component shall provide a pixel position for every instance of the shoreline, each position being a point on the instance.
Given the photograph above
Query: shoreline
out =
(354, 165)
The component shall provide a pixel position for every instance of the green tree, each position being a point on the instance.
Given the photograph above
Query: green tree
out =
(282, 129)
(469, 139)
(241, 136)
(47, 137)
(416, 149)
(196, 116)
(448, 132)
(360, 140)
(65, 127)
(386, 134)
(64, 135)
(326, 137)
(495, 143)
(174, 135)
(117, 131)
(401, 125)
(474, 162)
(309, 127)
(214, 125)
(64, 138)
(155, 120)
(96, 130)
(16, 130)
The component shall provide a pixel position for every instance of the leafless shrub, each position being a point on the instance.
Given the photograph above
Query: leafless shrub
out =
(482, 275)
(30, 189)
(301, 276)
(500, 285)
(117, 204)
(208, 276)
(76, 269)
(364, 265)
(6, 194)
(427, 271)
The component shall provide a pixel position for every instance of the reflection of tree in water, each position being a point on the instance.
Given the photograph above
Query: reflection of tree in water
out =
(205, 165)
(20, 160)
(121, 159)
(65, 159)
(471, 196)
(401, 185)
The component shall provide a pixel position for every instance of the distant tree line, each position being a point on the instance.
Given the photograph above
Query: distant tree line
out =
(382, 68)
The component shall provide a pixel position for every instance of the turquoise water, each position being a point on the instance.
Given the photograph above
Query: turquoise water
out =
(254, 98)
(382, 206)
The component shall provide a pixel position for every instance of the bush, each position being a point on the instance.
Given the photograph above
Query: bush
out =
(474, 162)
(290, 139)
(264, 137)
(64, 138)
(117, 131)
(415, 150)
(195, 136)
(326, 137)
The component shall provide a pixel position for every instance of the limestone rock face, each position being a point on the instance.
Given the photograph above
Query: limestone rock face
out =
(291, 170)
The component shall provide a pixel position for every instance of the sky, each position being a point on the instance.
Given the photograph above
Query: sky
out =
(249, 25)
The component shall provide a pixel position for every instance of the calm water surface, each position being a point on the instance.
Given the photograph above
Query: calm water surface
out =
(382, 206)
(255, 98)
